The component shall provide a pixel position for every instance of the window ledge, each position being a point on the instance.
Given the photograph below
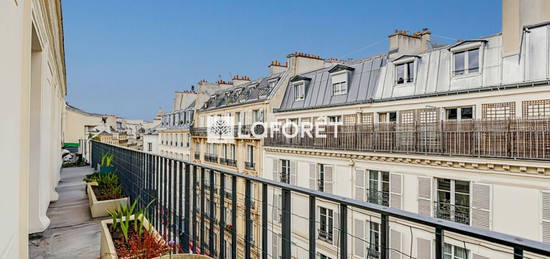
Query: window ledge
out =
(468, 75)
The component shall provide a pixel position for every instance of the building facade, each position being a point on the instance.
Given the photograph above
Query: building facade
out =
(173, 133)
(447, 131)
(32, 71)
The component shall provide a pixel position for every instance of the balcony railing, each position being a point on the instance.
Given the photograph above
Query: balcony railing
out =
(448, 211)
(197, 156)
(166, 183)
(513, 138)
(378, 197)
(211, 158)
(227, 161)
(249, 165)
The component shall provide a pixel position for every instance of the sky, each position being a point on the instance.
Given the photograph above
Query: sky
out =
(128, 57)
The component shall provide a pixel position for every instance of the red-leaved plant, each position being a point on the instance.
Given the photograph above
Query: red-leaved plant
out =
(142, 247)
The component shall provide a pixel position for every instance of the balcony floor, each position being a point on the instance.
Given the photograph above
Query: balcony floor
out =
(72, 232)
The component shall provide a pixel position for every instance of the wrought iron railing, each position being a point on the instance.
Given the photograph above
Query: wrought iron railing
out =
(167, 183)
(249, 165)
(512, 138)
(448, 211)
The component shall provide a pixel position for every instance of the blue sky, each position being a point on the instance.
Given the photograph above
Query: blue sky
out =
(128, 57)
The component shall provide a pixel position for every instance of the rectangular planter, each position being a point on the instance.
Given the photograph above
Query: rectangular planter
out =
(100, 208)
(107, 248)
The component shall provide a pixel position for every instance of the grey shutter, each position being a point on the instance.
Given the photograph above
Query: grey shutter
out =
(481, 205)
(312, 176)
(395, 244)
(336, 228)
(275, 206)
(425, 196)
(328, 179)
(396, 188)
(317, 221)
(276, 168)
(359, 237)
(293, 165)
(275, 246)
(360, 184)
(423, 248)
(546, 217)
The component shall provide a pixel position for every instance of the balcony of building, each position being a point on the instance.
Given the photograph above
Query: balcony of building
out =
(509, 139)
(174, 185)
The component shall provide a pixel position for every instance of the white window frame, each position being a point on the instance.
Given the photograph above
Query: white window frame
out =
(379, 185)
(452, 254)
(250, 153)
(285, 171)
(459, 113)
(321, 177)
(453, 194)
(404, 62)
(299, 90)
(465, 48)
(329, 220)
(340, 87)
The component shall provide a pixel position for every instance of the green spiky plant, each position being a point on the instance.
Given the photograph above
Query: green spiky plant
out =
(107, 160)
(121, 218)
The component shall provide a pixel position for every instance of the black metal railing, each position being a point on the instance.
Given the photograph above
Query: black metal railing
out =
(167, 183)
(378, 197)
(448, 211)
(211, 158)
(197, 156)
(249, 165)
(510, 138)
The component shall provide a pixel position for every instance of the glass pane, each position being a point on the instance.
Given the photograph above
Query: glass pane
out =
(444, 184)
(451, 114)
(462, 200)
(462, 186)
(459, 63)
(466, 113)
(393, 116)
(400, 73)
(410, 72)
(443, 196)
(448, 248)
(461, 252)
(473, 60)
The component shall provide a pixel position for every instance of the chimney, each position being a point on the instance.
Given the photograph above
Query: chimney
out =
(299, 62)
(402, 42)
(275, 67)
(516, 14)
(239, 80)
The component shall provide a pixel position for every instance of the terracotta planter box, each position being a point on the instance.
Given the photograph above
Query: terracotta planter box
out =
(107, 248)
(100, 208)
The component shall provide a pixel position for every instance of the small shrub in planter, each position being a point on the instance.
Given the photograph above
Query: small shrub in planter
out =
(108, 187)
(104, 193)
(106, 165)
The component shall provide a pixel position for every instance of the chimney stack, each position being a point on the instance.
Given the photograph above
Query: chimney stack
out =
(299, 62)
(516, 14)
(402, 42)
(275, 67)
(237, 80)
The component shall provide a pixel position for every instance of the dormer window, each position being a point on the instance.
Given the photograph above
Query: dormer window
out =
(299, 90)
(340, 83)
(404, 72)
(272, 83)
(466, 62)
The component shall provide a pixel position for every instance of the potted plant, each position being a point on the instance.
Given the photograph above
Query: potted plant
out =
(106, 165)
(128, 234)
(104, 193)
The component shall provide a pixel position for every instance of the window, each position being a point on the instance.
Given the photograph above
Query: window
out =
(453, 200)
(250, 153)
(454, 252)
(461, 113)
(340, 83)
(150, 147)
(326, 224)
(387, 117)
(299, 91)
(238, 117)
(498, 111)
(466, 62)
(374, 239)
(379, 187)
(232, 151)
(255, 116)
(285, 171)
(404, 73)
(536, 109)
(322, 256)
(334, 119)
(321, 178)
(272, 83)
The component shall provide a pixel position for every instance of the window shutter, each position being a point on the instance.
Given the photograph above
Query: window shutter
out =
(425, 196)
(481, 205)
(312, 176)
(293, 172)
(423, 248)
(276, 176)
(546, 217)
(395, 244)
(317, 221)
(336, 229)
(396, 190)
(360, 184)
(276, 204)
(275, 247)
(359, 237)
(328, 179)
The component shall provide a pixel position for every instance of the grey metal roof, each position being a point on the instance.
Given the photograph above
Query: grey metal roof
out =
(254, 91)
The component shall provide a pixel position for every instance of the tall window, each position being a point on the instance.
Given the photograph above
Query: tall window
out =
(404, 73)
(374, 239)
(299, 91)
(232, 151)
(150, 146)
(321, 178)
(379, 187)
(387, 117)
(453, 200)
(454, 252)
(250, 153)
(326, 224)
(466, 62)
(285, 171)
